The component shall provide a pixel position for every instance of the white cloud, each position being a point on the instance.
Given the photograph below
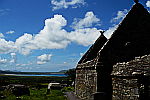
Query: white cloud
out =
(24, 44)
(17, 64)
(14, 58)
(110, 31)
(148, 4)
(23, 40)
(1, 35)
(41, 62)
(12, 61)
(64, 62)
(3, 61)
(13, 55)
(81, 54)
(89, 19)
(23, 64)
(82, 30)
(10, 32)
(53, 36)
(6, 46)
(120, 15)
(44, 58)
(85, 36)
(63, 4)
(29, 63)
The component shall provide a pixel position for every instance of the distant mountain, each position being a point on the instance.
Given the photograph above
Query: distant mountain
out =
(16, 71)
(62, 71)
(7, 70)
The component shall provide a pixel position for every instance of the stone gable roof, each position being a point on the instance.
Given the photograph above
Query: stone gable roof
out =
(93, 50)
(132, 36)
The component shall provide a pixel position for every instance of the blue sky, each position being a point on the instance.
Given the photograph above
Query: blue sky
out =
(52, 35)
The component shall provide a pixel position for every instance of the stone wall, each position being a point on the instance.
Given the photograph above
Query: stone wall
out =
(125, 89)
(86, 81)
(131, 80)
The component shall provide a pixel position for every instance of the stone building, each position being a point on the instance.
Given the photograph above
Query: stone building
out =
(130, 80)
(131, 39)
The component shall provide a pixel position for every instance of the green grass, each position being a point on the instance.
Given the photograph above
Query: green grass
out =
(37, 95)
(68, 89)
(28, 80)
(32, 82)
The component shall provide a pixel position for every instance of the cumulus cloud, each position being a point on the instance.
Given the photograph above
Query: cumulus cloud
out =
(53, 36)
(82, 30)
(24, 44)
(3, 61)
(148, 3)
(65, 4)
(13, 55)
(44, 58)
(1, 35)
(85, 36)
(10, 32)
(110, 31)
(89, 19)
(41, 62)
(14, 58)
(6, 46)
(120, 15)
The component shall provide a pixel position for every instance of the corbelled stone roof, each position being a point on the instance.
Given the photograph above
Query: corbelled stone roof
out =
(131, 38)
(93, 50)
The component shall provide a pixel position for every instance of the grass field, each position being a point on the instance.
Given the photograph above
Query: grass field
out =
(29, 80)
(32, 82)
(37, 95)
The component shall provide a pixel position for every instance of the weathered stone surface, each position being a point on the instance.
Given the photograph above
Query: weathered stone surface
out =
(127, 82)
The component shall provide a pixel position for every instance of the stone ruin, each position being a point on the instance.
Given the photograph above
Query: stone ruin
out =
(131, 80)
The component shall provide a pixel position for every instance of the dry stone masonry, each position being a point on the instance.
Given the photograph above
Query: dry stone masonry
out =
(86, 80)
(130, 80)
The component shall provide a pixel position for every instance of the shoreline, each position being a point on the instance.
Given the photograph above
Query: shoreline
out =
(39, 75)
